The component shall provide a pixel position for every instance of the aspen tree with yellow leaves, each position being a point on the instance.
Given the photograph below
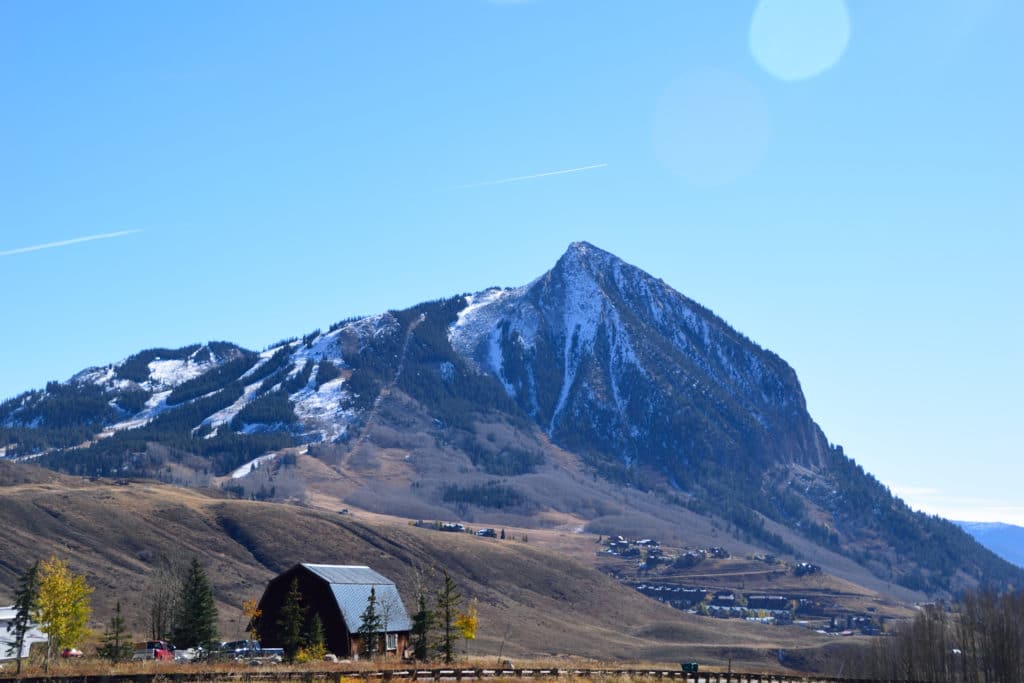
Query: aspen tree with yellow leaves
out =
(63, 609)
(466, 622)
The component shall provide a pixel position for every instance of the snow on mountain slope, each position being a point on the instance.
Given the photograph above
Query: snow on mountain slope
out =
(598, 352)
(248, 468)
(594, 348)
(130, 394)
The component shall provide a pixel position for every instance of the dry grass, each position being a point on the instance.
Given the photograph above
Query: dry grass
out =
(97, 667)
(535, 599)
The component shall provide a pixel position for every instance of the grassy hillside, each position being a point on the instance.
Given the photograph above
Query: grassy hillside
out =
(533, 601)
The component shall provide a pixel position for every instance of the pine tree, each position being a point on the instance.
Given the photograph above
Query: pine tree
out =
(63, 609)
(289, 623)
(422, 624)
(26, 603)
(195, 624)
(117, 646)
(314, 642)
(369, 626)
(448, 601)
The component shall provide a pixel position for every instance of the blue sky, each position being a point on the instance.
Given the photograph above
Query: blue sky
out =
(843, 185)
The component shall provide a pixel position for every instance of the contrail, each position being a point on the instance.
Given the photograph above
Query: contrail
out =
(64, 243)
(529, 177)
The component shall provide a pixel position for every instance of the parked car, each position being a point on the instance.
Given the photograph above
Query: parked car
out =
(249, 651)
(71, 653)
(487, 533)
(154, 649)
(192, 654)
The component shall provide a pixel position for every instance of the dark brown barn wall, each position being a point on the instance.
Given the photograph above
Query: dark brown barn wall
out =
(317, 599)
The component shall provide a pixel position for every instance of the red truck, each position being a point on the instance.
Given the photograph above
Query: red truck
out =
(154, 649)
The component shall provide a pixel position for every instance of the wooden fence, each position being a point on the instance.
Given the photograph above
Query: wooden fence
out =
(435, 675)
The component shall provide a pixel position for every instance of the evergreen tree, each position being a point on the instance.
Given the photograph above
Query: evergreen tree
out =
(195, 624)
(448, 601)
(26, 603)
(314, 642)
(290, 622)
(369, 626)
(422, 624)
(117, 645)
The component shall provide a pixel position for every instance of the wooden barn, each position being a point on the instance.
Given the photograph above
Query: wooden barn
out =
(339, 595)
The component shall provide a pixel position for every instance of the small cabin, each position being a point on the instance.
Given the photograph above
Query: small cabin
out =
(339, 595)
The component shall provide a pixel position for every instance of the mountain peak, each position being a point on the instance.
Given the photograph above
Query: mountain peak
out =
(586, 252)
(584, 260)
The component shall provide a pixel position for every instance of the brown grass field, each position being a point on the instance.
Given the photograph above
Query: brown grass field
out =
(539, 599)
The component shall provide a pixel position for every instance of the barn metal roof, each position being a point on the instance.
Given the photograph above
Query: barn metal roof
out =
(352, 599)
(348, 573)
(351, 586)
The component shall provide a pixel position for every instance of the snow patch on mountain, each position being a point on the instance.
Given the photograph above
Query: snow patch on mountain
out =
(371, 327)
(474, 302)
(156, 404)
(171, 373)
(323, 412)
(323, 346)
(584, 310)
(251, 466)
(225, 415)
(264, 358)
(103, 376)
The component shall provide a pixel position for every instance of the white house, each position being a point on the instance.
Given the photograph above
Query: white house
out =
(34, 635)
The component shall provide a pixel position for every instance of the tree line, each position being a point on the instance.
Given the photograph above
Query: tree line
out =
(53, 598)
(981, 641)
(437, 626)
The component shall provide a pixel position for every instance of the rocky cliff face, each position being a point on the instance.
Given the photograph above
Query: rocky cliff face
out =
(610, 360)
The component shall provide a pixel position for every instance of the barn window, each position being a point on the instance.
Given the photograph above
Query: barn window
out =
(392, 641)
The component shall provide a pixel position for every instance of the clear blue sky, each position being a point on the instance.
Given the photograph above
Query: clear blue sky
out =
(844, 186)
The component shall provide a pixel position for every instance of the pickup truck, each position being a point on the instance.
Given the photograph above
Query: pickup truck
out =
(249, 651)
(154, 649)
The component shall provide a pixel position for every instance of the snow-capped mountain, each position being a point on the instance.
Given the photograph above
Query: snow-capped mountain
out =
(602, 355)
(480, 395)
(295, 390)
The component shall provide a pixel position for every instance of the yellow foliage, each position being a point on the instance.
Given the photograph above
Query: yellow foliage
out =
(311, 653)
(252, 612)
(466, 622)
(63, 609)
